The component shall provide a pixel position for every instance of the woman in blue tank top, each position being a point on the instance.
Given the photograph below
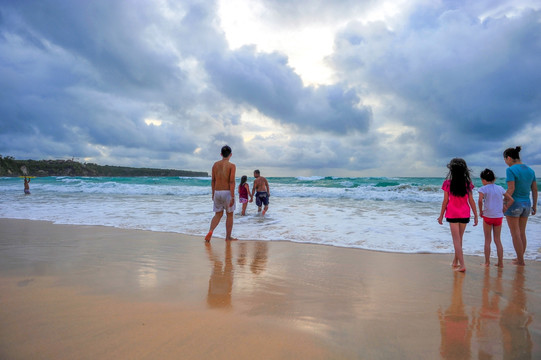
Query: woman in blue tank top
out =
(520, 182)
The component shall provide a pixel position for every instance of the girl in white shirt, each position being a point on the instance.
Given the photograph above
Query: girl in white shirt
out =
(491, 208)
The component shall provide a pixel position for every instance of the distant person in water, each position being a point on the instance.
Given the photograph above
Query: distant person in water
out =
(223, 193)
(520, 182)
(457, 201)
(262, 192)
(491, 207)
(26, 186)
(244, 192)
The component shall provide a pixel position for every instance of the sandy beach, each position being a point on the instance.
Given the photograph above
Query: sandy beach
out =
(87, 292)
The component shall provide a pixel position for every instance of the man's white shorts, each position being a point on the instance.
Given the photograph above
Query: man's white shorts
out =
(222, 198)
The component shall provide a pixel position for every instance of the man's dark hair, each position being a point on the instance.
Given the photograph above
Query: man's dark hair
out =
(256, 172)
(226, 151)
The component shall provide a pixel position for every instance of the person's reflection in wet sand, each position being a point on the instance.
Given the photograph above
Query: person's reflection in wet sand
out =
(517, 343)
(221, 278)
(260, 258)
(241, 258)
(487, 328)
(456, 331)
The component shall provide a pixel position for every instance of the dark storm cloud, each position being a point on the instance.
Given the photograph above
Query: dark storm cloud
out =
(128, 44)
(474, 83)
(79, 78)
(85, 74)
(90, 72)
(266, 82)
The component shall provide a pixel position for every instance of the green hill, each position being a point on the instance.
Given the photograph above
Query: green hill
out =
(11, 167)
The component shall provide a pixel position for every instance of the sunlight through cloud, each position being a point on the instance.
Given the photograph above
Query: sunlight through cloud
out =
(153, 122)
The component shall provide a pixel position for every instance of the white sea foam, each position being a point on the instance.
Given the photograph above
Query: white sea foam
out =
(397, 218)
(310, 178)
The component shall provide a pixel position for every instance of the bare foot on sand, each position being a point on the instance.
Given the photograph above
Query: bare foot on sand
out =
(208, 237)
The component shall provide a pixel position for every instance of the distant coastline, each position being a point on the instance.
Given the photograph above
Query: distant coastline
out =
(12, 167)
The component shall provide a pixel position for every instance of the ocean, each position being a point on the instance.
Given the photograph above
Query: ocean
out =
(383, 214)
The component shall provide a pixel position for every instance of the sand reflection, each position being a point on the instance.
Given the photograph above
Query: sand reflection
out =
(487, 329)
(500, 324)
(147, 274)
(259, 258)
(456, 330)
(221, 278)
(223, 272)
(515, 319)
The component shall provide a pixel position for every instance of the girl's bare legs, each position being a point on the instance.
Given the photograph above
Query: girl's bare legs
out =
(457, 232)
(487, 229)
(498, 242)
(244, 206)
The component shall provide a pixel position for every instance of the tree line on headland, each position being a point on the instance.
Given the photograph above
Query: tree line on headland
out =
(11, 167)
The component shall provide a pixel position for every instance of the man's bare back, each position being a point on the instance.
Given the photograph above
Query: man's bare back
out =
(262, 190)
(223, 175)
(260, 184)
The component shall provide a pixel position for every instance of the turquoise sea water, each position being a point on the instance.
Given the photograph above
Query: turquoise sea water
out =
(385, 214)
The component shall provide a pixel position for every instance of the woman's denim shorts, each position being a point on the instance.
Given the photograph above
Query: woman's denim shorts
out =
(519, 209)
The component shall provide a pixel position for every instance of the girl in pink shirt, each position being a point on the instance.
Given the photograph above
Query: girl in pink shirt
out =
(457, 201)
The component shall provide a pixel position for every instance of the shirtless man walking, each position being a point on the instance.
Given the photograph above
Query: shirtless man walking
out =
(223, 193)
(262, 190)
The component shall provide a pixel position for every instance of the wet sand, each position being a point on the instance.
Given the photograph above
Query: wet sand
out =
(87, 292)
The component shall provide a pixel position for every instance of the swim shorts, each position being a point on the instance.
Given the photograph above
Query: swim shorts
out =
(221, 201)
(261, 198)
(27, 192)
(243, 200)
(458, 220)
(519, 209)
(493, 221)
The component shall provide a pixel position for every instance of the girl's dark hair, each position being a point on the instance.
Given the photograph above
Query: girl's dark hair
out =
(459, 174)
(243, 180)
(488, 175)
(512, 153)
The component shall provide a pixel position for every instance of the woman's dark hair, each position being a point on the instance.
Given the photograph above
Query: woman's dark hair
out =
(512, 153)
(243, 180)
(488, 175)
(459, 174)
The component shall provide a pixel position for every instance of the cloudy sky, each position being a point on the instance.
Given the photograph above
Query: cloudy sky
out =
(295, 87)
